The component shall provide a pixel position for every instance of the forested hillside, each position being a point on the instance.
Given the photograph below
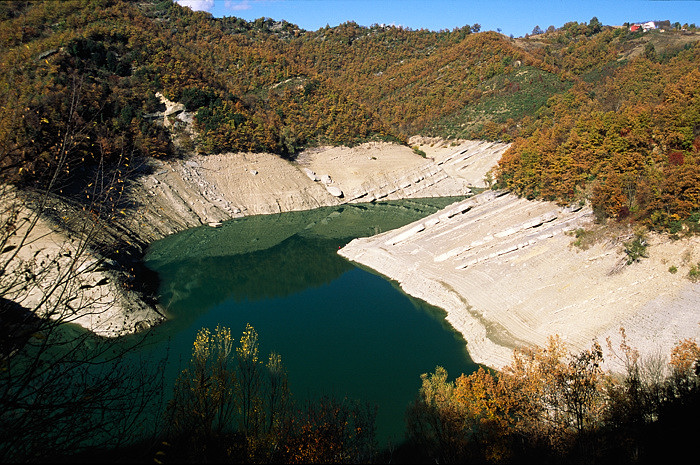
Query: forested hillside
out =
(595, 112)
(626, 135)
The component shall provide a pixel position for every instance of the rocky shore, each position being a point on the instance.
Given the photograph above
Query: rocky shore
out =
(503, 268)
(208, 189)
(167, 196)
(508, 275)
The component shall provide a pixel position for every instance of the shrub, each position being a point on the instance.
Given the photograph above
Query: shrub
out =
(418, 151)
(585, 238)
(636, 249)
(581, 235)
(694, 273)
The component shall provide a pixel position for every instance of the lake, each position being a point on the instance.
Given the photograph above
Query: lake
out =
(340, 329)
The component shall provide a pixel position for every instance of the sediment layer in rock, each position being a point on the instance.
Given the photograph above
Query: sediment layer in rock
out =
(168, 196)
(505, 271)
(208, 189)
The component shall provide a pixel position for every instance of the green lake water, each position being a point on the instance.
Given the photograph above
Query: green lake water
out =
(340, 329)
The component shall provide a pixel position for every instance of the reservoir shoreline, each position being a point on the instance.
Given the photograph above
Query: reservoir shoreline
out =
(503, 268)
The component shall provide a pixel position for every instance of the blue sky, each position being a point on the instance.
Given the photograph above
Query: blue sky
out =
(516, 17)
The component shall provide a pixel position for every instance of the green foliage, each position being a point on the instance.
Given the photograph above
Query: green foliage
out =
(584, 238)
(488, 179)
(593, 113)
(594, 26)
(195, 98)
(626, 142)
(583, 122)
(418, 151)
(694, 273)
(636, 249)
(504, 99)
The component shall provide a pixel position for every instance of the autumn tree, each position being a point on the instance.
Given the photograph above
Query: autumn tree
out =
(433, 421)
(465, 420)
(227, 398)
(558, 395)
(203, 401)
(547, 403)
(330, 430)
(553, 405)
(229, 405)
(684, 381)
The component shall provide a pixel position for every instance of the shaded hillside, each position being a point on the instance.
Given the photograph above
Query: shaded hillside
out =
(81, 79)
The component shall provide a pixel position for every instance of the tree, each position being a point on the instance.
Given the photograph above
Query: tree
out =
(203, 402)
(468, 420)
(551, 405)
(537, 30)
(650, 51)
(63, 388)
(329, 430)
(557, 394)
(432, 421)
(249, 383)
(685, 372)
(226, 396)
(228, 405)
(594, 26)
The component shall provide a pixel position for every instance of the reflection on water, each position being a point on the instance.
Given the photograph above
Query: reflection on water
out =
(340, 329)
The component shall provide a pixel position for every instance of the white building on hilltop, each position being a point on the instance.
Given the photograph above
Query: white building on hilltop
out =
(650, 25)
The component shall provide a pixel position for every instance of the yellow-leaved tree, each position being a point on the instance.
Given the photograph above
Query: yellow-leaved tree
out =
(226, 402)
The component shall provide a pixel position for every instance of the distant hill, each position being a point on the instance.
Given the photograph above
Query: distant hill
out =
(595, 112)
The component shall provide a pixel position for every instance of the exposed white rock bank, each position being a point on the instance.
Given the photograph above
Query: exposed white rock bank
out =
(505, 271)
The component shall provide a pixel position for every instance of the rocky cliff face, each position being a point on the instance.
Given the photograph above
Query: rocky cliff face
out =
(65, 275)
(502, 267)
(206, 190)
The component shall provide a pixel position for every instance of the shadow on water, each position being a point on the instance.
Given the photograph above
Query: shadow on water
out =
(340, 329)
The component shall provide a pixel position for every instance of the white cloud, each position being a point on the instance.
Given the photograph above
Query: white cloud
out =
(197, 5)
(238, 5)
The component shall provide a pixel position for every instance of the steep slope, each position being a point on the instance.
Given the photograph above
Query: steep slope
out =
(203, 190)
